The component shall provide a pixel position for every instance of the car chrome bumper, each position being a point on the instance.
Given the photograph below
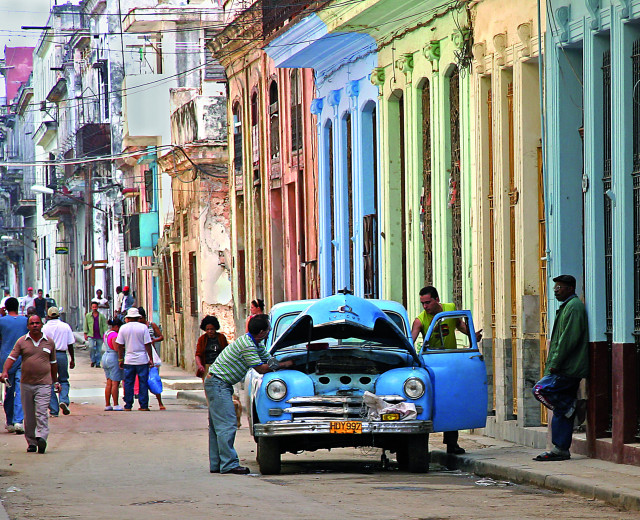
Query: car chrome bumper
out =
(281, 428)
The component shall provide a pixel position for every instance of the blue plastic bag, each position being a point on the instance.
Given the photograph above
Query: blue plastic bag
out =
(155, 383)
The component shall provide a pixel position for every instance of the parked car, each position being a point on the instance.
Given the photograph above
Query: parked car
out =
(343, 348)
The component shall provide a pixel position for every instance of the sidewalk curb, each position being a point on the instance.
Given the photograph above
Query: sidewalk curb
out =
(615, 495)
(191, 395)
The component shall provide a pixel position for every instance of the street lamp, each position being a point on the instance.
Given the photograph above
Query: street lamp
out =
(45, 190)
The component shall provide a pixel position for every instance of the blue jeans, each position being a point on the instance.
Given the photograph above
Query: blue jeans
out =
(12, 401)
(63, 378)
(130, 373)
(222, 425)
(95, 350)
(558, 393)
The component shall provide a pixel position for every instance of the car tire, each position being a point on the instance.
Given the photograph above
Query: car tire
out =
(418, 453)
(268, 455)
(402, 457)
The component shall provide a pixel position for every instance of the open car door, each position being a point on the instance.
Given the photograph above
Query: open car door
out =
(458, 373)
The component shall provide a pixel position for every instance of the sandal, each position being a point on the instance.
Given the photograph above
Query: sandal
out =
(163, 408)
(552, 456)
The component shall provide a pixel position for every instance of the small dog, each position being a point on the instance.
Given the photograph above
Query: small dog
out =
(238, 406)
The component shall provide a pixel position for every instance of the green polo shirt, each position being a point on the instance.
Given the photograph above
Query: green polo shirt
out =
(233, 363)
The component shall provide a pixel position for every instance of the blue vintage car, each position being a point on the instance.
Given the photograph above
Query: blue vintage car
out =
(343, 346)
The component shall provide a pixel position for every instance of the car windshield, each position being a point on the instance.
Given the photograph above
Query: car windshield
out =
(285, 321)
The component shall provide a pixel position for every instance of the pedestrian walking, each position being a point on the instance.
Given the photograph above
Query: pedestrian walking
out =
(12, 327)
(39, 372)
(135, 357)
(567, 363)
(95, 325)
(229, 368)
(117, 305)
(111, 367)
(62, 336)
(255, 307)
(444, 340)
(51, 302)
(209, 345)
(40, 303)
(26, 301)
(127, 301)
(7, 295)
(103, 303)
(156, 337)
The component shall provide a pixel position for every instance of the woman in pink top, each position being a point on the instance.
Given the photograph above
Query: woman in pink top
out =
(111, 366)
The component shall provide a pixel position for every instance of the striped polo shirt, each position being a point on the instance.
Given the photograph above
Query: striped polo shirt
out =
(236, 359)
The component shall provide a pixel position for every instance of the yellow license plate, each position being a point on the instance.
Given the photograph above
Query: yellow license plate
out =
(345, 427)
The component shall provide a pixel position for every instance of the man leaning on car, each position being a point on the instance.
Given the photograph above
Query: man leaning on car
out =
(229, 368)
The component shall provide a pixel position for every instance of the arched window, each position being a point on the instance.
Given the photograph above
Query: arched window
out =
(237, 139)
(274, 121)
(255, 137)
(296, 111)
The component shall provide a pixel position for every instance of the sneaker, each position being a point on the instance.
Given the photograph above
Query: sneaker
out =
(42, 444)
(108, 408)
(31, 448)
(10, 428)
(144, 409)
(93, 364)
(118, 408)
(18, 428)
(65, 408)
(455, 449)
(53, 415)
(238, 470)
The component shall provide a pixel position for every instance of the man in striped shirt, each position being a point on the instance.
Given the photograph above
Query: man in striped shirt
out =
(229, 368)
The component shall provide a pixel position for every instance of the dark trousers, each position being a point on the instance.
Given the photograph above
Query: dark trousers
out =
(130, 373)
(558, 393)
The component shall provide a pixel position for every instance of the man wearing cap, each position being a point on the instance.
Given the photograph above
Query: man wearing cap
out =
(39, 372)
(127, 301)
(26, 301)
(135, 357)
(95, 325)
(567, 363)
(62, 336)
(12, 327)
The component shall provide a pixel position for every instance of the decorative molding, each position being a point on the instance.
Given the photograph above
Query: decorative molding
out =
(458, 37)
(334, 97)
(563, 14)
(524, 33)
(500, 48)
(479, 50)
(405, 64)
(378, 76)
(626, 8)
(353, 88)
(316, 106)
(594, 10)
(432, 53)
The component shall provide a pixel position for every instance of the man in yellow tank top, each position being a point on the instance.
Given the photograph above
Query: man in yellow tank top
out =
(442, 338)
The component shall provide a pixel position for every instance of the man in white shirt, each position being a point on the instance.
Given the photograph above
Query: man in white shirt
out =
(26, 301)
(62, 335)
(134, 356)
(7, 295)
(103, 303)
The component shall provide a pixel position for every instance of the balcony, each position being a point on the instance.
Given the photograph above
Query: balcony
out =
(93, 140)
(58, 205)
(141, 233)
(58, 91)
(45, 133)
(276, 12)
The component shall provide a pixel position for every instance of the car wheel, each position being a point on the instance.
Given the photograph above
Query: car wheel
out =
(268, 456)
(402, 456)
(418, 453)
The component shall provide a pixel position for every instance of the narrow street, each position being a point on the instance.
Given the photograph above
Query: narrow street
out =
(105, 465)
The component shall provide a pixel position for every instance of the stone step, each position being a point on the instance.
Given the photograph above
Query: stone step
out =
(182, 384)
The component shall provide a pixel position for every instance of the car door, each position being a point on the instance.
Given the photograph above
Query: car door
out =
(458, 374)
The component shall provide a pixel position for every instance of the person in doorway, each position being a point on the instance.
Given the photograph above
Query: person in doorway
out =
(26, 301)
(567, 363)
(209, 345)
(111, 367)
(95, 325)
(62, 336)
(229, 368)
(156, 338)
(103, 303)
(12, 327)
(135, 357)
(256, 307)
(40, 303)
(445, 339)
(39, 372)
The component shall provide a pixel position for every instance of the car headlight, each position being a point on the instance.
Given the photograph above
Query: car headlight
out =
(276, 389)
(414, 388)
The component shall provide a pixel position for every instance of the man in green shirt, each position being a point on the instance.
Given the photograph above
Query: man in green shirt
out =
(443, 338)
(567, 364)
(229, 368)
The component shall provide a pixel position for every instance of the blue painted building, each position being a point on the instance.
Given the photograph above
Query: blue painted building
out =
(593, 200)
(345, 108)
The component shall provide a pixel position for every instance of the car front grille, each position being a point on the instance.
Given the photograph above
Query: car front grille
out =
(332, 407)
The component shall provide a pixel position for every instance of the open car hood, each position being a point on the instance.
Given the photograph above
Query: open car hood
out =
(344, 316)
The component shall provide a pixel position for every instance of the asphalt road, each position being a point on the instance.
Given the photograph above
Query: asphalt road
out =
(135, 465)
